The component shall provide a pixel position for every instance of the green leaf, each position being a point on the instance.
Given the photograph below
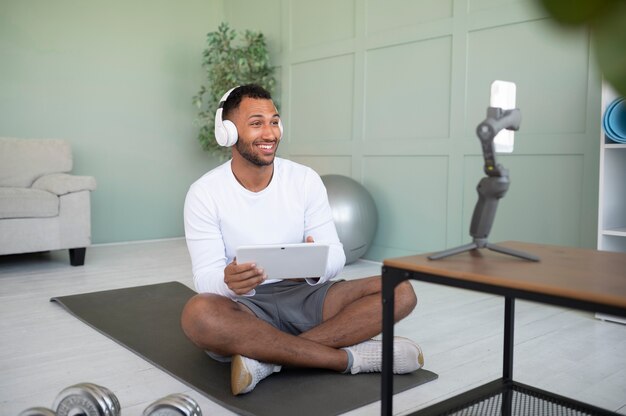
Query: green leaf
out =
(606, 21)
(609, 35)
(575, 12)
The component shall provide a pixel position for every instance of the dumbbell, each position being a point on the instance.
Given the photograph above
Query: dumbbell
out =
(37, 411)
(174, 405)
(87, 399)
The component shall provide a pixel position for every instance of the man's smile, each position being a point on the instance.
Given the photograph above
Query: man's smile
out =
(267, 147)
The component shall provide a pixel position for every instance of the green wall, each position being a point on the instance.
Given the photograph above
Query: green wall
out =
(386, 91)
(389, 92)
(116, 79)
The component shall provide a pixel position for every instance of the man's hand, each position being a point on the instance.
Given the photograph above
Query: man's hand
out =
(242, 278)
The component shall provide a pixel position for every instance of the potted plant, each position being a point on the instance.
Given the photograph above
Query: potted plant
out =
(229, 62)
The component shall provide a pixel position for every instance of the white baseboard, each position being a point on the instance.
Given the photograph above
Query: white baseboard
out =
(120, 243)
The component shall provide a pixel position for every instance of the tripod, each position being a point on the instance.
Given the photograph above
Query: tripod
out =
(490, 188)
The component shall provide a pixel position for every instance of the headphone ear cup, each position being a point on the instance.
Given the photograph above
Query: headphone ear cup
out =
(221, 135)
(225, 131)
(231, 133)
(280, 126)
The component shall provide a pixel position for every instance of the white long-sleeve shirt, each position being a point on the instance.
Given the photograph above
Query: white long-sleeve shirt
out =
(221, 215)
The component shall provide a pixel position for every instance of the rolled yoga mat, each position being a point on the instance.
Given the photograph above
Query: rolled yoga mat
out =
(146, 320)
(614, 120)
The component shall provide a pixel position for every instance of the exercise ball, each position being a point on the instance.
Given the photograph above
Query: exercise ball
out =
(354, 214)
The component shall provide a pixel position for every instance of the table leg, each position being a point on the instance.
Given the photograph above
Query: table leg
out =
(509, 327)
(507, 402)
(388, 289)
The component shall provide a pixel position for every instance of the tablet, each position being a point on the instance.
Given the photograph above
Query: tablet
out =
(287, 261)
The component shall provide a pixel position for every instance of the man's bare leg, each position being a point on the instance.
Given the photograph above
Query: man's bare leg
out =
(353, 311)
(227, 328)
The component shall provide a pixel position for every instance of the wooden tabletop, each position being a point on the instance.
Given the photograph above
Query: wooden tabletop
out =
(575, 273)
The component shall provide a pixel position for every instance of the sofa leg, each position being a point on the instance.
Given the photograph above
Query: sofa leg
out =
(77, 256)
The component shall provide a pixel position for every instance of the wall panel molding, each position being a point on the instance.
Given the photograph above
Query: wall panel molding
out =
(402, 114)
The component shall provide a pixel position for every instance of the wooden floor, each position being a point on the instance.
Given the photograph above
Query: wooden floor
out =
(44, 349)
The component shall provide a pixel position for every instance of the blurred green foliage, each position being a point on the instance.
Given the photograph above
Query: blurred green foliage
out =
(606, 21)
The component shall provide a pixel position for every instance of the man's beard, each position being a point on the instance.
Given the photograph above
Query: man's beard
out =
(249, 155)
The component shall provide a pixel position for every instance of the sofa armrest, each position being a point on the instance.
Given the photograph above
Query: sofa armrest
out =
(64, 183)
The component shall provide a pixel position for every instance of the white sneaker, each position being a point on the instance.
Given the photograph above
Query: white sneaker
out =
(368, 356)
(245, 373)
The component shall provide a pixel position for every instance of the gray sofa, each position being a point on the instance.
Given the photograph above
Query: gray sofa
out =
(42, 206)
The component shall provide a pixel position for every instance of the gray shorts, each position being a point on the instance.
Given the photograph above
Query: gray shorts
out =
(291, 306)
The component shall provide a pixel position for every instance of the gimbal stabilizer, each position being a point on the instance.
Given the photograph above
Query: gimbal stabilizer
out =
(490, 188)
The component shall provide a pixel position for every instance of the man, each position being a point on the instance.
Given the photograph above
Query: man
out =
(240, 312)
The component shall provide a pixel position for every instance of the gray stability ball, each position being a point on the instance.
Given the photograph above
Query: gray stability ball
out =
(354, 214)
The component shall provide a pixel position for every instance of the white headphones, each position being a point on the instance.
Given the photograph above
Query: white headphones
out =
(225, 130)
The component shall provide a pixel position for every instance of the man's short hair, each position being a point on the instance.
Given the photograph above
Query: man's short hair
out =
(250, 91)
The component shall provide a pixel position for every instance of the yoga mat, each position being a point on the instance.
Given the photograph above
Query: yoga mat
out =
(146, 320)
(614, 120)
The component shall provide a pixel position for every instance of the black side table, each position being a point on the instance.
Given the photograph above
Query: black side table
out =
(575, 278)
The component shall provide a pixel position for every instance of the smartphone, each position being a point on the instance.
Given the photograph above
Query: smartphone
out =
(503, 96)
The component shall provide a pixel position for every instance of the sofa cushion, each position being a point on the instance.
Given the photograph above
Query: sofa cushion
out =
(24, 160)
(64, 183)
(27, 203)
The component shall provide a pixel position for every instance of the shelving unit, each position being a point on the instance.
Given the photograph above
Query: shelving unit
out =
(612, 196)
